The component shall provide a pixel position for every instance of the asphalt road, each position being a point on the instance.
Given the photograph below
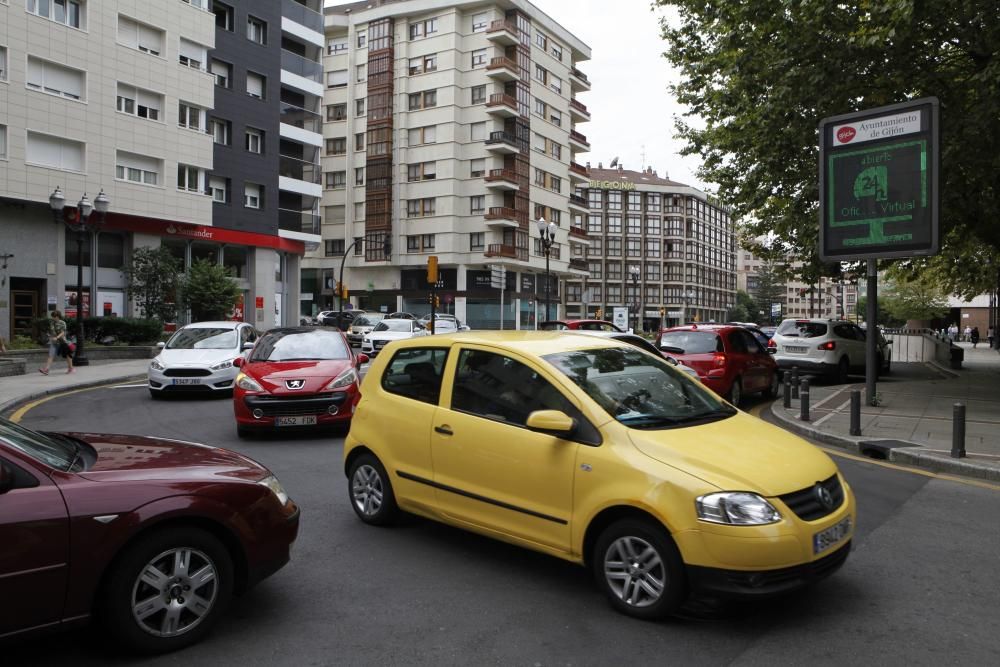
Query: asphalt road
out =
(920, 588)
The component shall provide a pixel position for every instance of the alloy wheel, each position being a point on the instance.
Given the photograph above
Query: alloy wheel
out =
(634, 571)
(366, 489)
(174, 592)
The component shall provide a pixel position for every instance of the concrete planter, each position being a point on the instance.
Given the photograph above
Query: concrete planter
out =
(15, 362)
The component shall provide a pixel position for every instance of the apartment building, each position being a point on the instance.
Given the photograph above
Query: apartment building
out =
(449, 130)
(662, 249)
(129, 98)
(827, 298)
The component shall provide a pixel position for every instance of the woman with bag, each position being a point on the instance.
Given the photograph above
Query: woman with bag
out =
(58, 343)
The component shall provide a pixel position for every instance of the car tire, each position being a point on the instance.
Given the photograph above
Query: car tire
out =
(370, 491)
(244, 432)
(662, 587)
(155, 395)
(131, 589)
(772, 388)
(735, 395)
(843, 370)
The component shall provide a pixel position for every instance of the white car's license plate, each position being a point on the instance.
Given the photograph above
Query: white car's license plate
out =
(186, 381)
(306, 420)
(795, 348)
(825, 539)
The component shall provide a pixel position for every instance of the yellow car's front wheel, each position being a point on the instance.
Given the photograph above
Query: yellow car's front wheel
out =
(371, 491)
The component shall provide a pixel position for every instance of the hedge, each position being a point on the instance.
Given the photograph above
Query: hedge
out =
(128, 330)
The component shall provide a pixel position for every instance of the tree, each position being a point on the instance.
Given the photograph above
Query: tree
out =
(209, 291)
(771, 285)
(745, 309)
(151, 280)
(919, 298)
(758, 75)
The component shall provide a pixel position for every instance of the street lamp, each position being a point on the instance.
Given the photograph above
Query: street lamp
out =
(80, 222)
(633, 273)
(547, 233)
(688, 298)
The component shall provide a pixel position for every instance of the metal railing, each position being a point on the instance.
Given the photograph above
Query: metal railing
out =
(302, 14)
(296, 64)
(497, 26)
(579, 75)
(501, 175)
(500, 99)
(580, 106)
(291, 167)
(579, 169)
(578, 200)
(502, 62)
(306, 222)
(501, 137)
(501, 250)
(573, 134)
(300, 118)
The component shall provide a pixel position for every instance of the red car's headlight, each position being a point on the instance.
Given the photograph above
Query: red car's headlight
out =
(343, 381)
(247, 383)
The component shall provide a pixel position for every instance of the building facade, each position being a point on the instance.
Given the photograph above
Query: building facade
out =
(661, 249)
(449, 130)
(120, 96)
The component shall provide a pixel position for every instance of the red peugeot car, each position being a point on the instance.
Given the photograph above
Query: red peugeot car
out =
(729, 359)
(296, 376)
(149, 536)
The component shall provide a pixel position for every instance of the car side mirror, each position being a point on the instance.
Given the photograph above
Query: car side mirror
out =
(7, 478)
(161, 345)
(247, 346)
(554, 422)
(362, 359)
(238, 362)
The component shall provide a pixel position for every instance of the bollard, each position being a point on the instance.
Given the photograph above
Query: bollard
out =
(958, 432)
(804, 400)
(856, 412)
(795, 382)
(786, 393)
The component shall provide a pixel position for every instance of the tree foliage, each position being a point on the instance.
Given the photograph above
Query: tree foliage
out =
(757, 76)
(209, 291)
(745, 309)
(771, 286)
(151, 280)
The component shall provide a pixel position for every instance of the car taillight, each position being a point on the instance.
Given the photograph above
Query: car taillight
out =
(828, 345)
(720, 360)
(771, 343)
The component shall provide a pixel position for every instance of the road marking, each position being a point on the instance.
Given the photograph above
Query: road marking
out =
(128, 386)
(18, 414)
(833, 395)
(836, 411)
(895, 466)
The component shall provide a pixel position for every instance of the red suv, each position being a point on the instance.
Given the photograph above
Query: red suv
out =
(151, 537)
(729, 359)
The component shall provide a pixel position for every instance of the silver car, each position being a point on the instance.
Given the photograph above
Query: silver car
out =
(199, 358)
(361, 326)
(823, 346)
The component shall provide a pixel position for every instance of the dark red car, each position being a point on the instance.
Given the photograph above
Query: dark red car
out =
(294, 377)
(151, 537)
(729, 359)
(585, 325)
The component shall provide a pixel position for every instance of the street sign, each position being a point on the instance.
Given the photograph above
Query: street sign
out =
(498, 276)
(878, 182)
(775, 309)
(619, 317)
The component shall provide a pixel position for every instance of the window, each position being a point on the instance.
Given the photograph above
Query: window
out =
(634, 201)
(416, 373)
(256, 85)
(555, 117)
(555, 83)
(138, 102)
(48, 77)
(479, 58)
(420, 242)
(3, 142)
(334, 247)
(221, 130)
(614, 200)
(422, 135)
(359, 141)
(556, 51)
(218, 187)
(362, 39)
(336, 146)
(55, 152)
(336, 78)
(423, 100)
(359, 245)
(3, 63)
(419, 208)
(541, 41)
(192, 55)
(633, 225)
(420, 29)
(67, 12)
(548, 181)
(422, 171)
(480, 22)
(336, 179)
(256, 30)
(477, 204)
(190, 116)
(423, 64)
(200, 4)
(359, 107)
(336, 112)
(359, 175)
(477, 131)
(223, 15)
(477, 241)
(359, 210)
(255, 140)
(110, 251)
(336, 45)
(653, 202)
(478, 95)
(477, 167)
(540, 107)
(253, 195)
(140, 36)
(137, 168)
(361, 72)
(223, 73)
(190, 179)
(541, 75)
(614, 224)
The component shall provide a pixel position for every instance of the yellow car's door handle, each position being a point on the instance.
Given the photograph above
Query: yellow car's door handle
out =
(444, 430)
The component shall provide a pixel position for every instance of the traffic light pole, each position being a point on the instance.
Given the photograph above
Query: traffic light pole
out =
(340, 286)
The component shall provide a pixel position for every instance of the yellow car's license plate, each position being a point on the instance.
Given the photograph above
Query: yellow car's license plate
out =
(825, 539)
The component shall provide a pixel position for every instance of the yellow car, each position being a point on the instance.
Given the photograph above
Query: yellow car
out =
(602, 454)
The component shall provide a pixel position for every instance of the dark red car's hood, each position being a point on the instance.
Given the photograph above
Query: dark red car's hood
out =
(133, 457)
(272, 375)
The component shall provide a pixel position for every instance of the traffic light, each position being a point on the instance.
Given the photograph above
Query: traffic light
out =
(434, 300)
(339, 289)
(344, 293)
(663, 311)
(432, 269)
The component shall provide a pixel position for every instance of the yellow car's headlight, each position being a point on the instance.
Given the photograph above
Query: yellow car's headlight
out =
(736, 508)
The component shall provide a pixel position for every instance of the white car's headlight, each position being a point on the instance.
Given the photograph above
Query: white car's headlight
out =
(156, 365)
(228, 363)
(274, 485)
(344, 380)
(244, 381)
(737, 508)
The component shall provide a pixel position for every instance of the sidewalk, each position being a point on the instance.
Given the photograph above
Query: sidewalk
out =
(913, 422)
(17, 389)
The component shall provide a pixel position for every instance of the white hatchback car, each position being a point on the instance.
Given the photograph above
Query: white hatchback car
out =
(387, 331)
(829, 347)
(199, 358)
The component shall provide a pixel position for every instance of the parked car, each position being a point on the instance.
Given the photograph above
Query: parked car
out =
(150, 537)
(601, 454)
(835, 348)
(199, 358)
(728, 359)
(340, 319)
(296, 377)
(638, 341)
(443, 323)
(399, 315)
(387, 331)
(586, 325)
(361, 326)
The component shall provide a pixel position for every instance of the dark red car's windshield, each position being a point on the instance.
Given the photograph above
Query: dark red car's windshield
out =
(314, 345)
(55, 452)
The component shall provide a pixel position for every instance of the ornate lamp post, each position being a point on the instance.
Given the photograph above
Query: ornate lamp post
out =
(633, 273)
(688, 298)
(547, 233)
(80, 222)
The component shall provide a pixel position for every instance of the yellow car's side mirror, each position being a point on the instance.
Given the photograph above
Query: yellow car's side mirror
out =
(555, 422)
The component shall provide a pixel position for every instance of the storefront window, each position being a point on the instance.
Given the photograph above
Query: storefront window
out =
(110, 251)
(178, 249)
(235, 259)
(206, 251)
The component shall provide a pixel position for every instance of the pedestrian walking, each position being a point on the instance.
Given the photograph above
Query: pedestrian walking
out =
(953, 332)
(991, 335)
(967, 333)
(974, 337)
(58, 343)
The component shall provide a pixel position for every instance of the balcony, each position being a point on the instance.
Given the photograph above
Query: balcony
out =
(578, 264)
(502, 179)
(578, 80)
(500, 250)
(578, 203)
(578, 142)
(578, 173)
(300, 170)
(502, 69)
(578, 111)
(578, 235)
(501, 216)
(502, 143)
(502, 32)
(502, 105)
(296, 64)
(305, 222)
(301, 118)
(303, 15)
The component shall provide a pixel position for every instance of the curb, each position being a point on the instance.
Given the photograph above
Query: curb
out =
(912, 456)
(12, 404)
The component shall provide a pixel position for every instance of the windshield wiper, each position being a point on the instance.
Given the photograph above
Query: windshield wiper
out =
(77, 449)
(654, 421)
